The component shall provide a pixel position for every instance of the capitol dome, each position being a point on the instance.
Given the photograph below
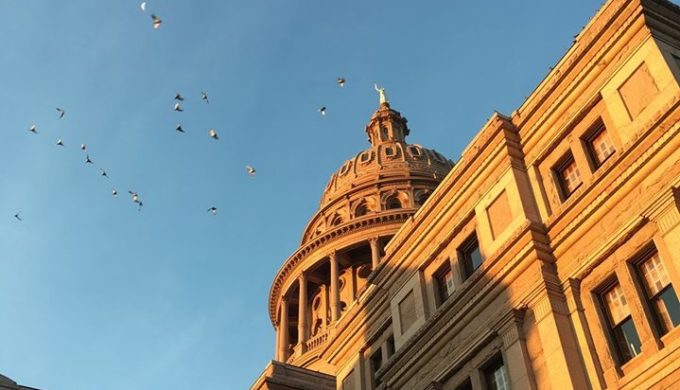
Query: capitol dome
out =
(390, 174)
(363, 205)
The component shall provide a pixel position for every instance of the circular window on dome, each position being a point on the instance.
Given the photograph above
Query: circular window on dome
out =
(345, 168)
(365, 157)
(415, 152)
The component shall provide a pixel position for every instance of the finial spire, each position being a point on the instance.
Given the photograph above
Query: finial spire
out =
(381, 92)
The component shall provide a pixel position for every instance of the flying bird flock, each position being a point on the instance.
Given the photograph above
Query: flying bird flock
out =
(177, 107)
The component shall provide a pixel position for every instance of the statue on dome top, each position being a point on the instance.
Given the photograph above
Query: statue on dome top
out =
(381, 91)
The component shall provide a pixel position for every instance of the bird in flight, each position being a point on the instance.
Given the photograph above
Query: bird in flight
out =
(83, 147)
(213, 210)
(60, 142)
(135, 199)
(204, 96)
(114, 193)
(179, 128)
(143, 6)
(17, 216)
(178, 108)
(61, 112)
(179, 97)
(250, 170)
(135, 196)
(156, 21)
(341, 81)
(87, 159)
(104, 173)
(213, 134)
(33, 129)
(322, 110)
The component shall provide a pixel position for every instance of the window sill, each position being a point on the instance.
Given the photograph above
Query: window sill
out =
(631, 365)
(671, 337)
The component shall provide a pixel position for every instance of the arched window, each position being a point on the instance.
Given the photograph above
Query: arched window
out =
(422, 197)
(383, 133)
(361, 210)
(337, 220)
(392, 203)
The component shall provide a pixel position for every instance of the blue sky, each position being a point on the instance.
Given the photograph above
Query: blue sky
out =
(96, 295)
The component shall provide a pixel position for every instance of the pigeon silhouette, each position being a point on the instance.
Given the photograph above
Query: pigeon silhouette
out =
(156, 21)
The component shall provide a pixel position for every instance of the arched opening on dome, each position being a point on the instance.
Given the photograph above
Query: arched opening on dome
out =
(361, 209)
(337, 220)
(393, 202)
(422, 197)
(384, 133)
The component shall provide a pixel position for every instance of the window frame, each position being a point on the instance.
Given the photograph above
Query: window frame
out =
(465, 250)
(440, 286)
(614, 331)
(594, 130)
(648, 298)
(489, 370)
(558, 172)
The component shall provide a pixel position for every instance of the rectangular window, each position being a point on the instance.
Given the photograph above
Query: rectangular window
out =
(568, 175)
(496, 376)
(470, 255)
(444, 283)
(620, 322)
(659, 291)
(600, 146)
(376, 363)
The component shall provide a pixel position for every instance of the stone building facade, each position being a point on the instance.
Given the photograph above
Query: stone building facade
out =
(546, 257)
